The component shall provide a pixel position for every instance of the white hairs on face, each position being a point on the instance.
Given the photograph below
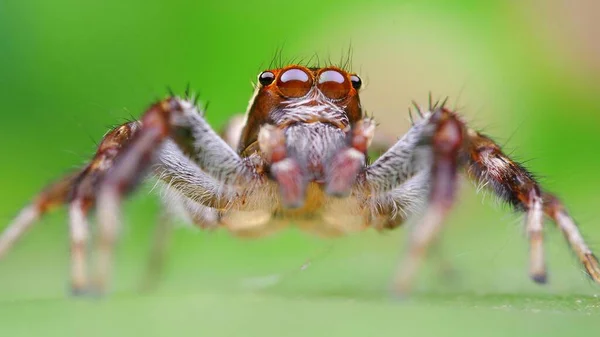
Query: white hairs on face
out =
(313, 106)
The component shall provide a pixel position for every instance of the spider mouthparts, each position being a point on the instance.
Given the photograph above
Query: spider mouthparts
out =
(342, 172)
(292, 185)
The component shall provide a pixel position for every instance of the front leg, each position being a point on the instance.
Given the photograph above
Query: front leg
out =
(448, 145)
(179, 120)
(205, 147)
(119, 164)
(445, 142)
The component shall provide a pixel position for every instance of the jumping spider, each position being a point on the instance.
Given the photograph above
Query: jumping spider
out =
(299, 156)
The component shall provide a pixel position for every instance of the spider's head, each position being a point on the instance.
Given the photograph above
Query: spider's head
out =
(299, 118)
(301, 95)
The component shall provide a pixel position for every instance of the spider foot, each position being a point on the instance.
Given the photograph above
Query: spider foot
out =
(592, 266)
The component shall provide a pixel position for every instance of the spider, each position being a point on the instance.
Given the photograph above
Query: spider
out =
(299, 156)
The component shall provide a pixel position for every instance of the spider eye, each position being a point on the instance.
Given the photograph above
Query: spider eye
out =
(356, 82)
(333, 84)
(266, 77)
(294, 82)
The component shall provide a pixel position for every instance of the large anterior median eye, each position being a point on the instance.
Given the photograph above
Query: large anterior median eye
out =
(334, 84)
(294, 82)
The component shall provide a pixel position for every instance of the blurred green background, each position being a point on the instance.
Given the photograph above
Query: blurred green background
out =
(525, 72)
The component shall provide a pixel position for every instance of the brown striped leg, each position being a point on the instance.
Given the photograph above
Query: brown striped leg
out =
(84, 197)
(51, 197)
(490, 167)
(555, 210)
(123, 176)
(446, 142)
(77, 189)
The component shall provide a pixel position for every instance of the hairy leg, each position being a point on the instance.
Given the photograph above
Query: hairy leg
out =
(391, 209)
(555, 210)
(77, 190)
(445, 142)
(400, 161)
(178, 172)
(51, 197)
(180, 121)
(133, 146)
(453, 145)
(186, 190)
(489, 166)
(84, 197)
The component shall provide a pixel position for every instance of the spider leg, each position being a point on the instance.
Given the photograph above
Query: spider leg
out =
(392, 208)
(119, 163)
(83, 197)
(179, 172)
(181, 199)
(211, 153)
(400, 161)
(77, 190)
(158, 252)
(51, 197)
(488, 165)
(181, 192)
(555, 210)
(180, 121)
(79, 230)
(452, 144)
(446, 142)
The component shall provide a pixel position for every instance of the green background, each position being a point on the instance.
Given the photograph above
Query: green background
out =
(71, 69)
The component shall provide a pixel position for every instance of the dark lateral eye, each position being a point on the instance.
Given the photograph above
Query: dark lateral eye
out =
(356, 82)
(266, 78)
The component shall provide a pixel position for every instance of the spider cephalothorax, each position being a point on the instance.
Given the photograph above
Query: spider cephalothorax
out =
(297, 94)
(299, 119)
(299, 156)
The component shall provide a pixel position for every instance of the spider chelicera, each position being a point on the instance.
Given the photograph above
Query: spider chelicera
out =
(299, 156)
